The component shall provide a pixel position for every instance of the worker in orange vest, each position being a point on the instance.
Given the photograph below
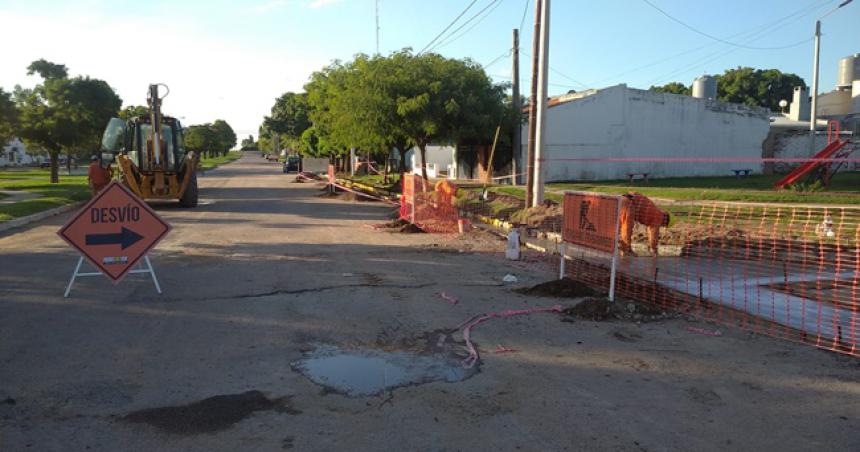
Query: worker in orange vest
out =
(98, 176)
(637, 208)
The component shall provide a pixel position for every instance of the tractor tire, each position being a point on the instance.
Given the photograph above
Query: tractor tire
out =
(189, 198)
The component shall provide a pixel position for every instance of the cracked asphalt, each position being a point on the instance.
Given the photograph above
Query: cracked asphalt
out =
(264, 270)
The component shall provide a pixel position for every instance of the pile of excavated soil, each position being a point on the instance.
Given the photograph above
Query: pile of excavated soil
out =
(683, 233)
(399, 225)
(593, 308)
(562, 288)
(547, 216)
(600, 308)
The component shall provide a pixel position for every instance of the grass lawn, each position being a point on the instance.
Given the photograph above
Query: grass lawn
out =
(844, 189)
(376, 180)
(70, 189)
(208, 163)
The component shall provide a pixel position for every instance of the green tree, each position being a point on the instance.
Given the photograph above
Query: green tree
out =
(202, 139)
(745, 85)
(64, 113)
(8, 118)
(248, 143)
(448, 100)
(757, 87)
(673, 88)
(133, 111)
(48, 70)
(379, 103)
(225, 136)
(289, 115)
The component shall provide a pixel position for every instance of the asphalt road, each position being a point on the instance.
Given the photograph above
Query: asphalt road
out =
(265, 270)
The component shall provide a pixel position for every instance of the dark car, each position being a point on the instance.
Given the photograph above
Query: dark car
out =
(293, 163)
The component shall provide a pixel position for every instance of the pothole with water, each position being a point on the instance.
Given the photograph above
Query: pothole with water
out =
(368, 372)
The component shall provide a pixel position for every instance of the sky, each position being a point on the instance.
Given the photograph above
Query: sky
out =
(231, 59)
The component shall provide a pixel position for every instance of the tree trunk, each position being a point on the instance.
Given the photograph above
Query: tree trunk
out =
(423, 148)
(55, 166)
(402, 166)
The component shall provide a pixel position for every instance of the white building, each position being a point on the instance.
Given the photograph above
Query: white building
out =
(636, 128)
(14, 153)
(440, 160)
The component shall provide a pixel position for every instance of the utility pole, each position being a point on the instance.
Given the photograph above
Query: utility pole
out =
(532, 109)
(377, 27)
(540, 140)
(814, 104)
(517, 148)
(813, 113)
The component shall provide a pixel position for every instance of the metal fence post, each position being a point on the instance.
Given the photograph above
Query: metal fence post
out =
(615, 252)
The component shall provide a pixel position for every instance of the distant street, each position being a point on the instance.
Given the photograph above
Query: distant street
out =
(265, 271)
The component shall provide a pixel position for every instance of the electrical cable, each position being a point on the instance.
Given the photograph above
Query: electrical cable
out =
(709, 36)
(448, 40)
(449, 26)
(581, 84)
(525, 10)
(773, 26)
(497, 59)
(802, 11)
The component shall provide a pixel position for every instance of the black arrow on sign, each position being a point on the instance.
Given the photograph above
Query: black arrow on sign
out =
(126, 238)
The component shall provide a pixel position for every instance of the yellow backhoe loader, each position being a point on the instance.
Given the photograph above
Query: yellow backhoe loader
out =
(151, 156)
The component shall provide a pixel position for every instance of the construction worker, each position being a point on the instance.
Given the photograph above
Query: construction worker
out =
(98, 176)
(637, 208)
(446, 191)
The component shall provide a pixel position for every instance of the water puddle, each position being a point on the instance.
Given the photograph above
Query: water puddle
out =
(367, 372)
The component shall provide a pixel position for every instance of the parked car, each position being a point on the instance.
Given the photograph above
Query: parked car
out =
(293, 163)
(61, 162)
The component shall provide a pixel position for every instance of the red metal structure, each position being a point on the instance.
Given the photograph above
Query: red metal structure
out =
(822, 160)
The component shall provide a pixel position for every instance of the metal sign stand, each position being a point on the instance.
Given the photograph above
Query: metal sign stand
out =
(141, 269)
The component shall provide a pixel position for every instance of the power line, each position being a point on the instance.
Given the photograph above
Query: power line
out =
(448, 40)
(449, 26)
(802, 11)
(497, 59)
(581, 84)
(735, 44)
(525, 10)
(768, 28)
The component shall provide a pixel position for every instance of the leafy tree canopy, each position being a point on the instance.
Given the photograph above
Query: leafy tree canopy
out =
(379, 103)
(133, 111)
(47, 70)
(8, 118)
(673, 88)
(64, 114)
(745, 85)
(289, 115)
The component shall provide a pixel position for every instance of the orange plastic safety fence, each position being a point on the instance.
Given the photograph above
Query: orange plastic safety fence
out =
(785, 271)
(430, 208)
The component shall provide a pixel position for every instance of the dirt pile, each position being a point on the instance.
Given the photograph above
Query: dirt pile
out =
(561, 288)
(398, 225)
(547, 216)
(600, 309)
(593, 308)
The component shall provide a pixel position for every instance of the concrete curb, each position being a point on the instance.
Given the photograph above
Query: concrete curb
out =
(23, 221)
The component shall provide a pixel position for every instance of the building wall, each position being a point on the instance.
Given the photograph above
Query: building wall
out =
(620, 122)
(14, 153)
(793, 144)
(834, 103)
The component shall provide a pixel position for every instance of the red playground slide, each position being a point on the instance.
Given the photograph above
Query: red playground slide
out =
(822, 158)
